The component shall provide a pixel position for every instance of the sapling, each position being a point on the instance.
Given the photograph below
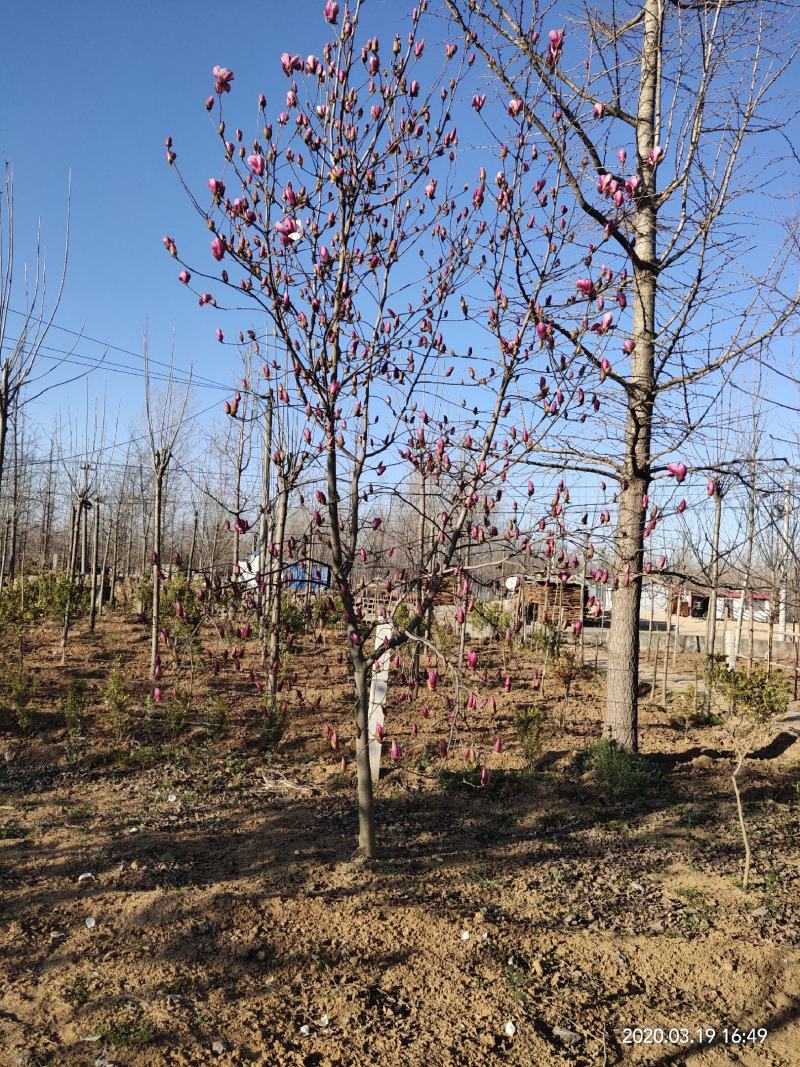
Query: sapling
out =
(752, 703)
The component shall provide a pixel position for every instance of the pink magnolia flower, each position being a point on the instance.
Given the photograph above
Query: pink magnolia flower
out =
(414, 89)
(290, 229)
(478, 101)
(396, 752)
(380, 733)
(655, 155)
(497, 745)
(217, 249)
(157, 694)
(184, 277)
(290, 63)
(681, 507)
(678, 471)
(216, 187)
(712, 487)
(443, 749)
(484, 777)
(256, 163)
(331, 12)
(472, 659)
(585, 286)
(433, 679)
(515, 106)
(223, 77)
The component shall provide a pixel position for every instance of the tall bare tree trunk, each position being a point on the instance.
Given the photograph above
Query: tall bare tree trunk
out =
(711, 628)
(102, 579)
(276, 565)
(77, 512)
(621, 719)
(112, 592)
(95, 558)
(156, 620)
(6, 538)
(748, 571)
(190, 567)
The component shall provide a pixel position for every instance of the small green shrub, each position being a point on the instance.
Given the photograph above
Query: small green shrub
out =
(75, 709)
(17, 689)
(216, 713)
(530, 723)
(176, 710)
(756, 695)
(493, 617)
(548, 640)
(687, 708)
(272, 724)
(328, 609)
(402, 616)
(117, 700)
(624, 775)
(292, 615)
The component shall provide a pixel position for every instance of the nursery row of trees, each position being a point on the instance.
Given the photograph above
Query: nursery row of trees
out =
(519, 295)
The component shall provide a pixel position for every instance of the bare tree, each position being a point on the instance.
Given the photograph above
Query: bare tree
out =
(649, 125)
(165, 415)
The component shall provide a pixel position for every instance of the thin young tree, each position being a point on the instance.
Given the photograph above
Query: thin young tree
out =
(165, 417)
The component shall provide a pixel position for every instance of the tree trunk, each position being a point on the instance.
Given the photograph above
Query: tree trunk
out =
(711, 629)
(112, 592)
(95, 558)
(103, 566)
(77, 511)
(6, 536)
(159, 478)
(190, 567)
(421, 564)
(366, 805)
(276, 564)
(621, 719)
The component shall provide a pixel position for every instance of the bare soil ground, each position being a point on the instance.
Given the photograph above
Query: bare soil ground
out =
(226, 920)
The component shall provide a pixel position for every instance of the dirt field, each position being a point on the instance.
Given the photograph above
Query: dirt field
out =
(188, 894)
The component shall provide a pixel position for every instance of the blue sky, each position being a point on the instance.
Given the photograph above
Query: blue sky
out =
(101, 85)
(106, 83)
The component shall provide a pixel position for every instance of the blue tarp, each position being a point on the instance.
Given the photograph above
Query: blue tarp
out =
(295, 576)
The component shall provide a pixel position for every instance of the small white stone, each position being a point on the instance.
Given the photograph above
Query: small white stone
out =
(324, 1020)
(510, 1029)
(172, 798)
(85, 876)
(90, 923)
(305, 1030)
(465, 935)
(218, 1047)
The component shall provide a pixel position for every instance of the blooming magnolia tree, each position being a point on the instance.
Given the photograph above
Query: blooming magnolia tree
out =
(645, 124)
(347, 220)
